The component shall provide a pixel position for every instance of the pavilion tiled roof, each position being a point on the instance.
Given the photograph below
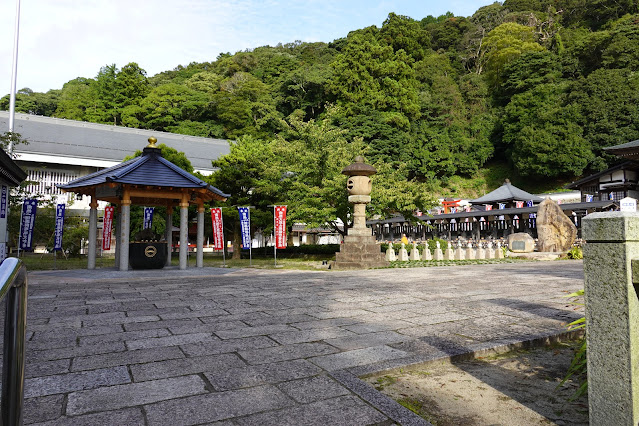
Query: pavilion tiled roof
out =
(149, 169)
(506, 192)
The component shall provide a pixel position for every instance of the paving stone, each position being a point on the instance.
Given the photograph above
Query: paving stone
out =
(337, 322)
(42, 409)
(216, 406)
(366, 340)
(126, 358)
(344, 313)
(182, 366)
(72, 352)
(226, 346)
(345, 410)
(126, 417)
(160, 324)
(180, 339)
(114, 397)
(310, 335)
(313, 389)
(253, 331)
(254, 375)
(117, 320)
(207, 328)
(357, 357)
(64, 383)
(437, 318)
(286, 352)
(377, 327)
(124, 335)
(46, 368)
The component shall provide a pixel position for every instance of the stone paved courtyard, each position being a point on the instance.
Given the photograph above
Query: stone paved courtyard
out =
(264, 347)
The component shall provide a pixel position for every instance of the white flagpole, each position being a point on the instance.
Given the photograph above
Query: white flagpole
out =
(14, 75)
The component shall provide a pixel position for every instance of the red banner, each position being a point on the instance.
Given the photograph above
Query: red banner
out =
(107, 226)
(280, 227)
(218, 229)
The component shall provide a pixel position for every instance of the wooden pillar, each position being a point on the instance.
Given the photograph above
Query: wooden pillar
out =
(169, 234)
(125, 225)
(199, 262)
(93, 231)
(184, 230)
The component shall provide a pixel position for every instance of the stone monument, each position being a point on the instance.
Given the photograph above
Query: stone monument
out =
(555, 231)
(521, 242)
(359, 250)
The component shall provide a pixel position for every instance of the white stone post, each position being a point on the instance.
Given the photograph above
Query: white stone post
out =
(199, 262)
(169, 234)
(184, 231)
(611, 271)
(93, 231)
(125, 225)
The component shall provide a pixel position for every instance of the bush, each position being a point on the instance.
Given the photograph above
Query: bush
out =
(575, 253)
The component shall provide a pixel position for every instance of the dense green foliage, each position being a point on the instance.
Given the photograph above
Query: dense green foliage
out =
(539, 85)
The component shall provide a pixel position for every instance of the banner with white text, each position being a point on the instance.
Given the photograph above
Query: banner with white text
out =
(59, 227)
(245, 226)
(218, 229)
(29, 208)
(148, 217)
(107, 227)
(280, 227)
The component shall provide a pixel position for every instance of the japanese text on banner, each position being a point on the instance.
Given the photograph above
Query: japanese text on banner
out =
(59, 227)
(218, 229)
(4, 195)
(280, 227)
(148, 217)
(106, 228)
(29, 208)
(245, 226)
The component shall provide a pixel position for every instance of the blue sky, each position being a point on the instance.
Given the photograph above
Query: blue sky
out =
(64, 39)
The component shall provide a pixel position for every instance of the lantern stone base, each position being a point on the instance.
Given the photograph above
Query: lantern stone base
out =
(359, 252)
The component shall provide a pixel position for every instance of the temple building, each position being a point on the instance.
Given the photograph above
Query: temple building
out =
(59, 151)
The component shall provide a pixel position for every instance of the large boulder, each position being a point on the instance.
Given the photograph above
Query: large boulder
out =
(555, 231)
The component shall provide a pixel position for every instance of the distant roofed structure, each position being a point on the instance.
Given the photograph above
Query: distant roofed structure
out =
(507, 194)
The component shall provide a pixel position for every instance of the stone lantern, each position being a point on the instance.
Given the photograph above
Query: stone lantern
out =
(360, 250)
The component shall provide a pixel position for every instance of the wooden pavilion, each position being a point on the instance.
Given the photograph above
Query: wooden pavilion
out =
(148, 180)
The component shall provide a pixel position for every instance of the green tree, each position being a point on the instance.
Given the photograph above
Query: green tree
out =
(503, 45)
(543, 135)
(30, 102)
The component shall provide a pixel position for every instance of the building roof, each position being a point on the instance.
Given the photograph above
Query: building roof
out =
(506, 192)
(625, 165)
(9, 171)
(597, 205)
(149, 170)
(629, 150)
(56, 140)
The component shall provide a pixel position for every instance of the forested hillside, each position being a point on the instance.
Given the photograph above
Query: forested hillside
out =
(540, 86)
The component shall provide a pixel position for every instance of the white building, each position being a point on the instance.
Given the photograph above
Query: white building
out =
(60, 150)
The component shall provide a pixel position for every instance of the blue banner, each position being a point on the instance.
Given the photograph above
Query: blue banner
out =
(4, 195)
(29, 208)
(148, 217)
(245, 225)
(59, 227)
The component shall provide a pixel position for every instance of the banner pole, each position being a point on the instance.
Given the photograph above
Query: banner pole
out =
(275, 234)
(223, 240)
(250, 240)
(20, 233)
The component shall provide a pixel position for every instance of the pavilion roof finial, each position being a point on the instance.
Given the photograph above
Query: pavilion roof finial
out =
(152, 142)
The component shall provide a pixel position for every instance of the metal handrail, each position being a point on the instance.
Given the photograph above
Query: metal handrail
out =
(13, 282)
